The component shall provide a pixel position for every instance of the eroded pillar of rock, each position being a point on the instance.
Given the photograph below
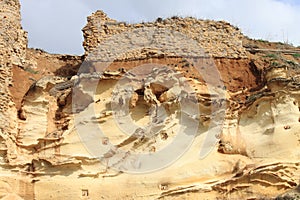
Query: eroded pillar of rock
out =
(13, 44)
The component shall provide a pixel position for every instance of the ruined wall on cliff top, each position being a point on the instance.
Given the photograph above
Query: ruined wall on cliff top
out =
(216, 38)
(13, 44)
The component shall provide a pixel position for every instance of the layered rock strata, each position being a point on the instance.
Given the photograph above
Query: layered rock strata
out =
(221, 121)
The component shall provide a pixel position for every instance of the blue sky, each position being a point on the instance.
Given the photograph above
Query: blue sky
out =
(55, 25)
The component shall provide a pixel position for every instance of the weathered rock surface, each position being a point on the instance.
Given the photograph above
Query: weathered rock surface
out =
(218, 39)
(77, 127)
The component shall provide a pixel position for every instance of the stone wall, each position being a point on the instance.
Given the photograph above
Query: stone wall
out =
(165, 37)
(13, 44)
(13, 40)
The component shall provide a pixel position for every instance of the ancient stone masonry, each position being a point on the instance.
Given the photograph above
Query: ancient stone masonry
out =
(13, 40)
(75, 129)
(105, 36)
(13, 44)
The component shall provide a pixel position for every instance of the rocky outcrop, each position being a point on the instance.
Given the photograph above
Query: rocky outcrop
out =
(13, 39)
(13, 43)
(193, 117)
(160, 38)
(257, 147)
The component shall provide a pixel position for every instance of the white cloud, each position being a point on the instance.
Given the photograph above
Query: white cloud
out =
(55, 25)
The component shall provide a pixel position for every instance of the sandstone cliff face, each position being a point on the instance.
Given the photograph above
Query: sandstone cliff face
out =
(202, 115)
(13, 44)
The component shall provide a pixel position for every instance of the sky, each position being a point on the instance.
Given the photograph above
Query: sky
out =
(55, 25)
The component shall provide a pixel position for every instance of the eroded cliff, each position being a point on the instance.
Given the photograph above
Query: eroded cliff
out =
(175, 109)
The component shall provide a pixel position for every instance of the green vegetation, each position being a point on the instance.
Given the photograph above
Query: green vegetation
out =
(271, 55)
(261, 40)
(159, 20)
(274, 64)
(175, 17)
(41, 50)
(30, 70)
(296, 55)
(290, 62)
